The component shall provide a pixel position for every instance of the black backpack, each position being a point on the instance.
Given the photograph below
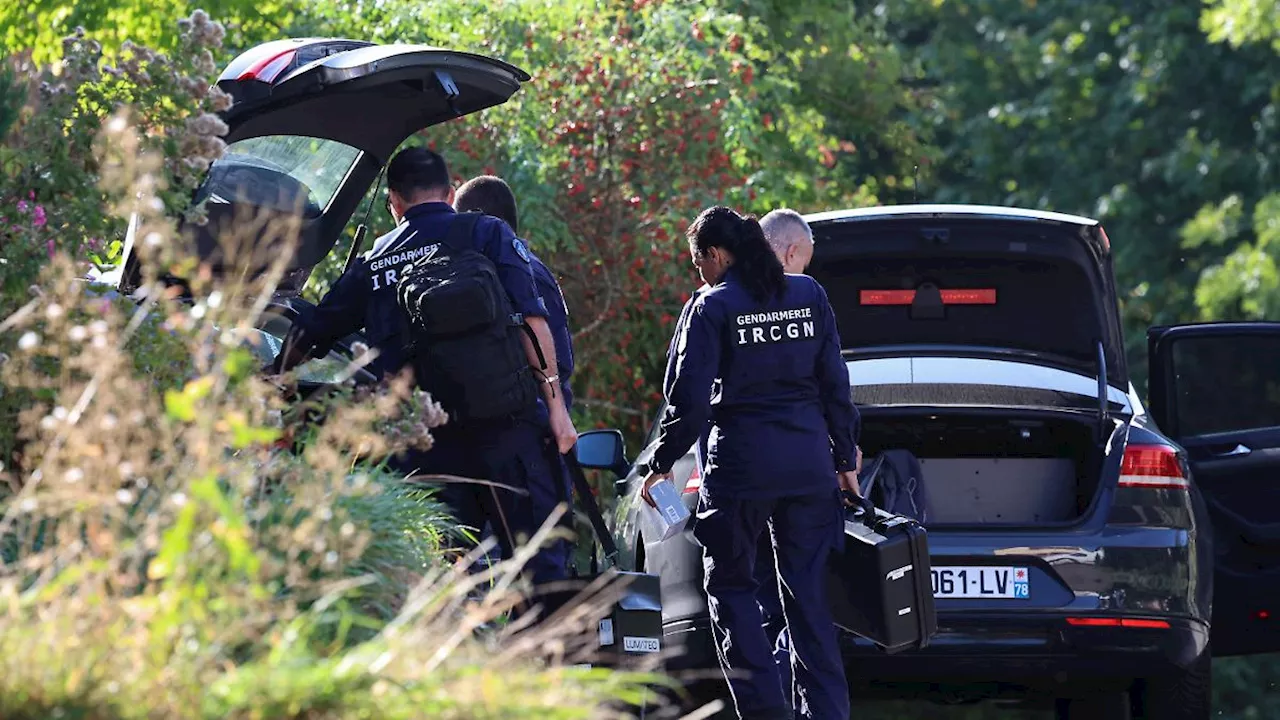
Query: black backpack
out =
(463, 337)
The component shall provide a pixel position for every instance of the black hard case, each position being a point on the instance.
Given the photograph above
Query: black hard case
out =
(879, 584)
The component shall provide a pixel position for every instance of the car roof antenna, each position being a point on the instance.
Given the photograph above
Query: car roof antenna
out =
(363, 229)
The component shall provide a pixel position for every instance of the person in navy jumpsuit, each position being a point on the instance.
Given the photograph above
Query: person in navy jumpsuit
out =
(791, 239)
(491, 195)
(758, 356)
(507, 451)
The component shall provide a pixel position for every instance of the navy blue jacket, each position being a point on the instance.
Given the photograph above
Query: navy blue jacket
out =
(365, 296)
(770, 379)
(557, 323)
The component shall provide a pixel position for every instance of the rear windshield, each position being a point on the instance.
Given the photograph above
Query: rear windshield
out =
(1039, 305)
(283, 169)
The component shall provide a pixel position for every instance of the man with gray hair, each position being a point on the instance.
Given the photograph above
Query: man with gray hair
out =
(792, 241)
(790, 237)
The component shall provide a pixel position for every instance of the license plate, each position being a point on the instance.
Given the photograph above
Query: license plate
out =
(981, 582)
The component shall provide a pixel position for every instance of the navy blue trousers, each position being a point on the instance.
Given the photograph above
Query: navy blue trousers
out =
(805, 530)
(769, 596)
(513, 454)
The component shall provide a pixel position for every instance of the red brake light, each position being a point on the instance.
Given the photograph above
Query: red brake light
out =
(1153, 467)
(972, 296)
(887, 297)
(1117, 622)
(267, 69)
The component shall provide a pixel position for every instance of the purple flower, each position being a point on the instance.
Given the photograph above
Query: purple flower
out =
(22, 206)
(49, 245)
(39, 218)
(32, 194)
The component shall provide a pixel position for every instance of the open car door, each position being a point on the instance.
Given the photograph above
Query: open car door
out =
(1215, 389)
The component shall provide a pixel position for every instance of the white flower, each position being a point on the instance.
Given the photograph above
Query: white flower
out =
(54, 311)
(124, 497)
(331, 558)
(347, 529)
(99, 327)
(47, 422)
(28, 340)
(215, 298)
(198, 311)
(29, 505)
(179, 499)
(74, 475)
(116, 125)
(60, 413)
(78, 333)
(126, 469)
(99, 341)
(153, 239)
(107, 422)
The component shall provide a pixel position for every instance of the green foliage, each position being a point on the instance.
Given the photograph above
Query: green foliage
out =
(1242, 21)
(1125, 112)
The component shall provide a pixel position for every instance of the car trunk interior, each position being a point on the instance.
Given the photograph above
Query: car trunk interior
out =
(1016, 468)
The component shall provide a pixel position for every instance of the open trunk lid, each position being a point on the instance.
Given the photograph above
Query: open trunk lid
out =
(966, 280)
(312, 123)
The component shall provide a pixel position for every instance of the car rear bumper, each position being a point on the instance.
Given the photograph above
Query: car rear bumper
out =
(1019, 653)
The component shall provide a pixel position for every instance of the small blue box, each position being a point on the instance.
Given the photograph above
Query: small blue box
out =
(671, 515)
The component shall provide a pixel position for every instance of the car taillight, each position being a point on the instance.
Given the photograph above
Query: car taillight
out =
(268, 68)
(975, 296)
(694, 483)
(1152, 467)
(1117, 622)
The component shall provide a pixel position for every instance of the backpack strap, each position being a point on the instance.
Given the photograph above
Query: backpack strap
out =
(589, 506)
(461, 231)
(459, 237)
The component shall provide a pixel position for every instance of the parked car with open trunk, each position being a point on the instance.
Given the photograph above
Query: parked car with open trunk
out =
(1088, 554)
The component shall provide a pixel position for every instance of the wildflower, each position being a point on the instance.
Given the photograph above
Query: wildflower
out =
(125, 469)
(50, 248)
(28, 341)
(108, 421)
(60, 413)
(54, 311)
(178, 499)
(124, 497)
(29, 505)
(77, 333)
(98, 327)
(331, 558)
(38, 217)
(22, 206)
(74, 475)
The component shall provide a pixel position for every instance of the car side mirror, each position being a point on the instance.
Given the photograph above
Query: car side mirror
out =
(603, 450)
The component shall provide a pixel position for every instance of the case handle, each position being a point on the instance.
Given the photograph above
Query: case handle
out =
(864, 504)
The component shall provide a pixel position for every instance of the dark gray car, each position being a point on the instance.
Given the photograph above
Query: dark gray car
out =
(1088, 553)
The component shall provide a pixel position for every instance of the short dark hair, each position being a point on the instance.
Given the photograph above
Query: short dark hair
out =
(490, 195)
(415, 170)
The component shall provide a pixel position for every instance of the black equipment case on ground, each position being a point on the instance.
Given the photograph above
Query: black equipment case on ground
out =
(879, 584)
(631, 632)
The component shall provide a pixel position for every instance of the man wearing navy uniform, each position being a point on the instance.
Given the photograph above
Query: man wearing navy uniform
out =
(508, 451)
(758, 357)
(493, 196)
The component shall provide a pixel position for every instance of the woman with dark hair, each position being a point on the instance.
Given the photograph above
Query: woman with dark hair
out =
(757, 355)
